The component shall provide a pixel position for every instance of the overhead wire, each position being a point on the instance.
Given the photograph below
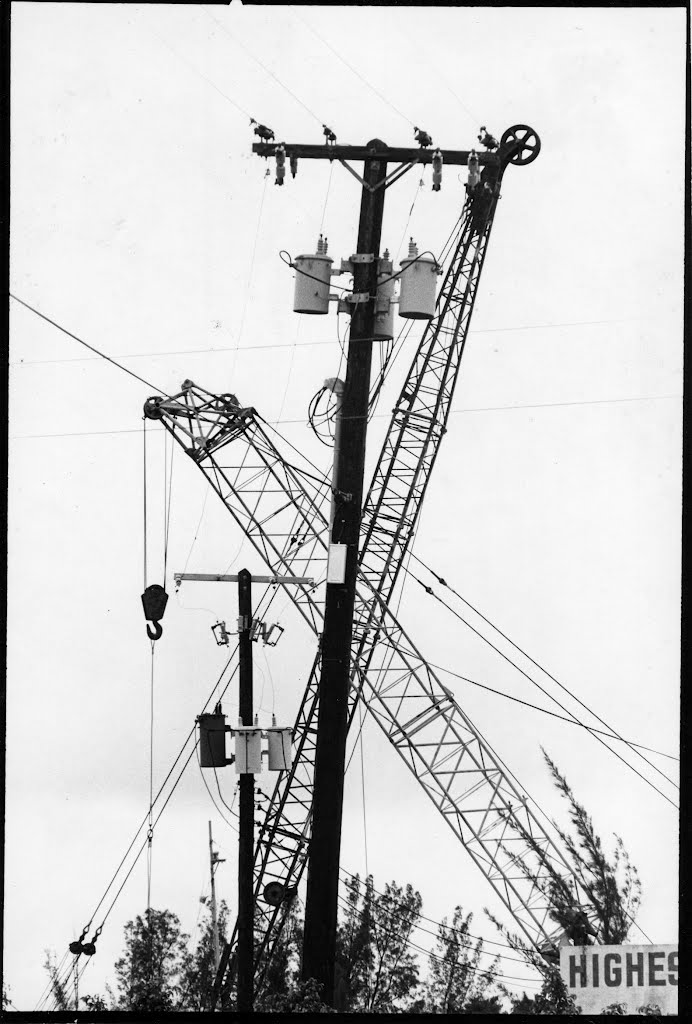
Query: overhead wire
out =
(430, 591)
(546, 711)
(86, 344)
(248, 287)
(352, 69)
(261, 64)
(433, 956)
(307, 344)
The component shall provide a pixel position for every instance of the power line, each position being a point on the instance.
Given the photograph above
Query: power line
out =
(198, 72)
(303, 422)
(306, 344)
(554, 699)
(263, 66)
(86, 344)
(565, 689)
(553, 714)
(351, 68)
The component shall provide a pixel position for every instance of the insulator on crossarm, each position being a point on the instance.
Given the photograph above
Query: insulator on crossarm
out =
(294, 166)
(474, 173)
(280, 165)
(437, 170)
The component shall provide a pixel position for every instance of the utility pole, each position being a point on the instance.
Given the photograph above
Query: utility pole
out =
(246, 822)
(321, 905)
(321, 908)
(249, 762)
(214, 859)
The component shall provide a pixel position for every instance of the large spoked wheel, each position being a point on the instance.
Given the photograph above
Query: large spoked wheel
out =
(524, 143)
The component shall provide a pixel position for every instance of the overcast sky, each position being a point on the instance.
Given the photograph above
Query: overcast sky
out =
(143, 223)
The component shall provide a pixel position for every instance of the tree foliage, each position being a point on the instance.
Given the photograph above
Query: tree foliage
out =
(611, 885)
(376, 968)
(150, 973)
(457, 983)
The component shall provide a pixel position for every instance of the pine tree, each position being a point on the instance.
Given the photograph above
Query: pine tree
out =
(456, 982)
(612, 888)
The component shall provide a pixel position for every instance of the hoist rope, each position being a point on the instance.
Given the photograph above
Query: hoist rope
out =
(144, 492)
(167, 509)
(150, 830)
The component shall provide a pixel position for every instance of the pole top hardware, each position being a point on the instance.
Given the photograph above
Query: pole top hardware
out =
(357, 297)
(210, 577)
(362, 257)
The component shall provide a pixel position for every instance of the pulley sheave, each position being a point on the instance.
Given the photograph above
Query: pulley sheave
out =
(528, 142)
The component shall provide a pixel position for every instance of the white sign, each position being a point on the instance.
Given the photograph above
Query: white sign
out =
(598, 976)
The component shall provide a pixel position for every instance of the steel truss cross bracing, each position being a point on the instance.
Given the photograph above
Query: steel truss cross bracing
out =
(282, 507)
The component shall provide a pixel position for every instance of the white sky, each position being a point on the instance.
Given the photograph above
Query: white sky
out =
(555, 503)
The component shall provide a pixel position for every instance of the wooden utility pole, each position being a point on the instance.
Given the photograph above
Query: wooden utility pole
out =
(321, 911)
(332, 726)
(246, 816)
(214, 859)
(246, 811)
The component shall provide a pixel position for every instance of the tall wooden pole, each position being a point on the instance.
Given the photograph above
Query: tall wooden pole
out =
(330, 755)
(214, 917)
(246, 822)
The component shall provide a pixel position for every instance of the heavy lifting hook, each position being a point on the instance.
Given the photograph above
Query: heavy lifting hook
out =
(154, 601)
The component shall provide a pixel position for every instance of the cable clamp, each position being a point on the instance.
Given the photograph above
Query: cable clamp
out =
(357, 297)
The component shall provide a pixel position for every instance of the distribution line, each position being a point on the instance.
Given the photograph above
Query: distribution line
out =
(553, 714)
(439, 924)
(263, 66)
(433, 956)
(532, 660)
(351, 68)
(86, 344)
(307, 344)
(554, 699)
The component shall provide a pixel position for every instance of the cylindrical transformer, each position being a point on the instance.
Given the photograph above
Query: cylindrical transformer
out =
(313, 274)
(212, 740)
(418, 286)
(248, 751)
(279, 749)
(384, 309)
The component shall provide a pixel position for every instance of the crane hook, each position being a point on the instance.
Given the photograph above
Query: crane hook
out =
(157, 631)
(154, 601)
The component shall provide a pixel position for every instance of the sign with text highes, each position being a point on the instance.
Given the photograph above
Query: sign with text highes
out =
(598, 976)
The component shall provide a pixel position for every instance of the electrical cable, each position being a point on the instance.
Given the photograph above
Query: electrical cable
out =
(263, 66)
(433, 956)
(197, 71)
(439, 924)
(307, 344)
(553, 714)
(301, 422)
(248, 287)
(211, 795)
(351, 68)
(86, 345)
(613, 732)
(430, 591)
